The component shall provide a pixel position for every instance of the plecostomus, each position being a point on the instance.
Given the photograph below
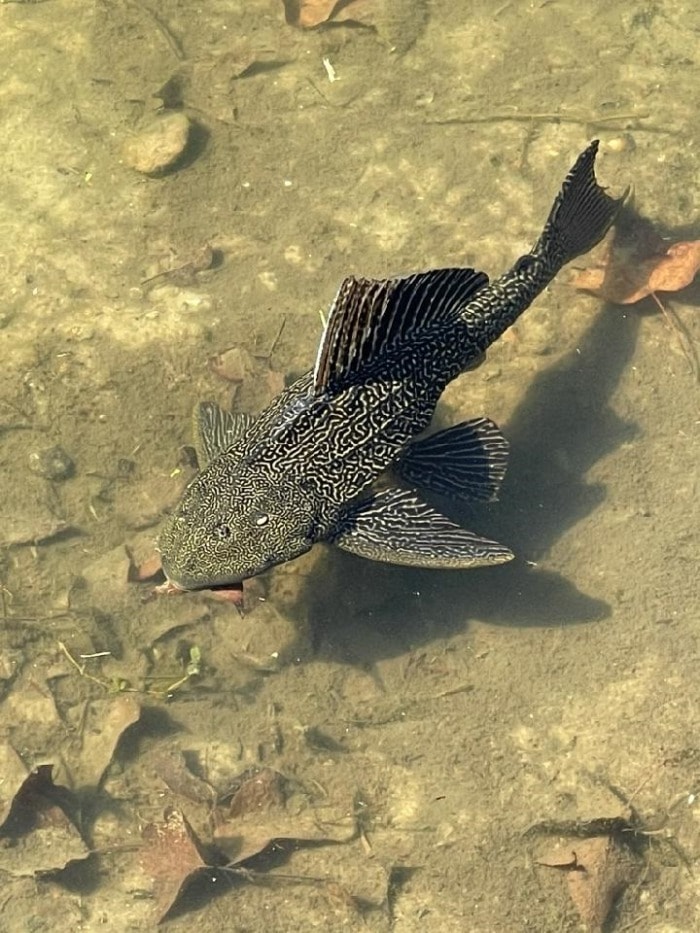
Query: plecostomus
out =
(304, 470)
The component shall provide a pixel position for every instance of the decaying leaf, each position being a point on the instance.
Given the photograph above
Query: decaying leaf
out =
(38, 834)
(106, 721)
(310, 13)
(257, 793)
(636, 263)
(253, 819)
(597, 871)
(256, 818)
(172, 856)
(149, 569)
(171, 767)
(14, 774)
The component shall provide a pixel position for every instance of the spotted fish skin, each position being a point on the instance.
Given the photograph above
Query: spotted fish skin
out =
(303, 471)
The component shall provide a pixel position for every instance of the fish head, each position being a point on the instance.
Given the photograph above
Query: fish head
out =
(233, 523)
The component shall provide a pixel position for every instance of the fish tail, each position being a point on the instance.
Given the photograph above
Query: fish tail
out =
(580, 217)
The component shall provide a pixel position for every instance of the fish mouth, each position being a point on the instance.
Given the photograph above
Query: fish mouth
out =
(181, 582)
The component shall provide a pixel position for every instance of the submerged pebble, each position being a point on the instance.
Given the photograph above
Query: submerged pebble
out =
(158, 146)
(52, 463)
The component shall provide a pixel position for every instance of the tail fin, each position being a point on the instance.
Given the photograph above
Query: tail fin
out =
(581, 214)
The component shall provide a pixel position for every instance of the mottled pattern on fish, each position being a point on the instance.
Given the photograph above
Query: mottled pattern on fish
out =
(293, 477)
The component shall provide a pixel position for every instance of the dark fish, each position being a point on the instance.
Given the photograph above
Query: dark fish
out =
(304, 471)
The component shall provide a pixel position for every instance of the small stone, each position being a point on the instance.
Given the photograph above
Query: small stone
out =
(623, 143)
(159, 145)
(52, 463)
(234, 364)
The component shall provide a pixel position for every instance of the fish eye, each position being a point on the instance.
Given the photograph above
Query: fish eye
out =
(222, 531)
(260, 518)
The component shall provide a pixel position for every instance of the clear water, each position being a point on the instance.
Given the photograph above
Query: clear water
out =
(423, 719)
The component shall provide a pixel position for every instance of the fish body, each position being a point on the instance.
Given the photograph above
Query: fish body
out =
(305, 470)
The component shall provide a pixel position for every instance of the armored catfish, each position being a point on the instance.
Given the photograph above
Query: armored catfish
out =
(305, 470)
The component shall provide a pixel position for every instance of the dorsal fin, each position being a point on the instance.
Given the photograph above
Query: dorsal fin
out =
(371, 316)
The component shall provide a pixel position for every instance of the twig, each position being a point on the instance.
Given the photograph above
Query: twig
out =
(164, 29)
(617, 121)
(684, 339)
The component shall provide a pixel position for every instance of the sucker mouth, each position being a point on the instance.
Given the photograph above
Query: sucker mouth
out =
(173, 588)
(180, 583)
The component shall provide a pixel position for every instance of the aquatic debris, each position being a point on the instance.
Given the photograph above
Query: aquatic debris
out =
(636, 265)
(233, 364)
(171, 767)
(159, 146)
(173, 857)
(252, 821)
(148, 570)
(255, 382)
(310, 13)
(186, 271)
(161, 686)
(103, 725)
(14, 773)
(53, 463)
(29, 515)
(255, 818)
(597, 871)
(37, 833)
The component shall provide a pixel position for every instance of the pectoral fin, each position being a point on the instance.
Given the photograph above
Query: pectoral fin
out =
(397, 527)
(216, 430)
(467, 461)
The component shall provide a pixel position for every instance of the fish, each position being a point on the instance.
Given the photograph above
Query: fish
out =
(340, 455)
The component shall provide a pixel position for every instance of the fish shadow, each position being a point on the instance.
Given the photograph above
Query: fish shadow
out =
(361, 612)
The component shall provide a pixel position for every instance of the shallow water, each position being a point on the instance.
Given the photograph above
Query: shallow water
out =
(422, 720)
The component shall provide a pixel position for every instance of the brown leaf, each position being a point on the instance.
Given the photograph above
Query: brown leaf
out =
(171, 767)
(310, 13)
(233, 364)
(149, 569)
(677, 269)
(172, 856)
(637, 262)
(597, 870)
(260, 793)
(256, 818)
(106, 722)
(14, 774)
(39, 835)
(604, 870)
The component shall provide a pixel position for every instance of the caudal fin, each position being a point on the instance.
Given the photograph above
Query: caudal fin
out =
(581, 214)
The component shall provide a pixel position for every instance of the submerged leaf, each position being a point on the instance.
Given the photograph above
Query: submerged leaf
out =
(604, 870)
(597, 871)
(38, 835)
(171, 767)
(256, 818)
(637, 262)
(310, 13)
(173, 856)
(14, 774)
(677, 269)
(106, 721)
